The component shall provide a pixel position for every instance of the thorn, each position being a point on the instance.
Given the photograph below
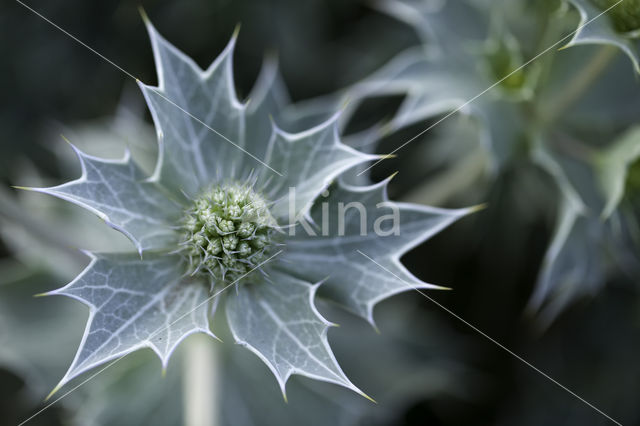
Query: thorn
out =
(367, 396)
(143, 15)
(65, 139)
(24, 188)
(386, 156)
(439, 287)
(236, 30)
(478, 207)
(56, 389)
(373, 324)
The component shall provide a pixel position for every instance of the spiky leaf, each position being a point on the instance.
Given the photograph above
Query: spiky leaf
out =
(586, 247)
(117, 191)
(133, 304)
(601, 18)
(311, 159)
(613, 166)
(359, 257)
(206, 135)
(278, 321)
(199, 120)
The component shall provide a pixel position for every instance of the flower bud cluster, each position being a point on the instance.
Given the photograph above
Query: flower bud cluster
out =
(228, 232)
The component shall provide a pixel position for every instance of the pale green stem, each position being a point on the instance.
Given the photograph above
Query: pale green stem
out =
(201, 393)
(580, 83)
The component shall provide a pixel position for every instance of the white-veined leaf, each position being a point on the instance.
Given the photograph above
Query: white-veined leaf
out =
(353, 221)
(277, 319)
(310, 160)
(117, 191)
(133, 304)
(198, 118)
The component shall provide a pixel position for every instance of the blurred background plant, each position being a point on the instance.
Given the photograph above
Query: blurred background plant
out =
(552, 149)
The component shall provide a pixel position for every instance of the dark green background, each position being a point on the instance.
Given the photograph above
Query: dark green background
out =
(490, 260)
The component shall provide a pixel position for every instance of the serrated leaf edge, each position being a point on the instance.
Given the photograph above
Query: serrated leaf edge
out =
(282, 382)
(579, 39)
(54, 191)
(164, 359)
(426, 235)
(357, 157)
(228, 51)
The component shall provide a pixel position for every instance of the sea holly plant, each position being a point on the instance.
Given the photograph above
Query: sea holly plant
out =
(236, 202)
(620, 28)
(494, 86)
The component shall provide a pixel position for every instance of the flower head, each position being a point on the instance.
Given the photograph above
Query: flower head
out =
(234, 201)
(228, 233)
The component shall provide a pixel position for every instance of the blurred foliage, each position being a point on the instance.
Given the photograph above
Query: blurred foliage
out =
(498, 95)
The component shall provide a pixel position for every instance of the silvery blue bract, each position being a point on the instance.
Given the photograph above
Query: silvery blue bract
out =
(153, 297)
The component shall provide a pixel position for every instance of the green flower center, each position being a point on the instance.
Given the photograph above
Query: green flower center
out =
(503, 60)
(625, 16)
(228, 233)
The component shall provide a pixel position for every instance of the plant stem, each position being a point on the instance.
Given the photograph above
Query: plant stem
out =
(578, 85)
(201, 382)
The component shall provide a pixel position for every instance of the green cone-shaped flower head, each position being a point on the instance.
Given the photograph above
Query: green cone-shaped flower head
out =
(228, 232)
